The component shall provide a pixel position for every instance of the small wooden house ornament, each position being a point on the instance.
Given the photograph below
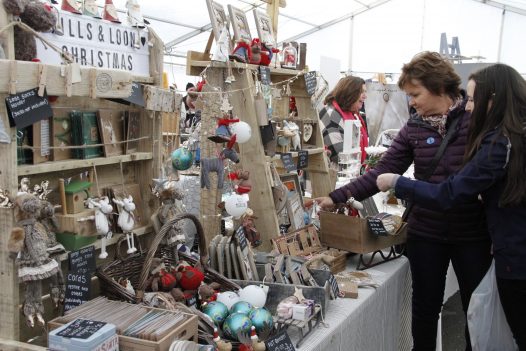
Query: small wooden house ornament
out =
(77, 192)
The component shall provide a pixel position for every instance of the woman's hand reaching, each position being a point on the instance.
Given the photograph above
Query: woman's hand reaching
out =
(386, 181)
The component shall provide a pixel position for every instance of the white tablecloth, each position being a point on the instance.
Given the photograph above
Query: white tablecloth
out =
(379, 320)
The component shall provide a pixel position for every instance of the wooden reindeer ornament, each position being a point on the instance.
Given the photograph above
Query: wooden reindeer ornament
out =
(126, 220)
(103, 210)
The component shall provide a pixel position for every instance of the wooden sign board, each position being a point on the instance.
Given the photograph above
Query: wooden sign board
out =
(26, 108)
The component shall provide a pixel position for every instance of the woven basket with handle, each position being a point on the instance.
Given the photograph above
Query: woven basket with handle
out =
(137, 267)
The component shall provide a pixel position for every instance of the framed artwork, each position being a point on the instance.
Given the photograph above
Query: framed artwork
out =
(264, 27)
(294, 204)
(218, 18)
(240, 24)
(132, 121)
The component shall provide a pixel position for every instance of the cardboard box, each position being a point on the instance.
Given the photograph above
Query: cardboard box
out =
(185, 331)
(352, 234)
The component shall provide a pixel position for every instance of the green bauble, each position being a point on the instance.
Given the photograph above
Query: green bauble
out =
(217, 311)
(261, 319)
(241, 307)
(182, 159)
(236, 324)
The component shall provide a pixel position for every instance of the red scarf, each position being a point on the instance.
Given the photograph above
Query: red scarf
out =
(364, 137)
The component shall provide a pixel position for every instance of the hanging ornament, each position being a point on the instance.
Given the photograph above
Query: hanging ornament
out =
(236, 324)
(242, 130)
(70, 6)
(217, 311)
(236, 205)
(242, 307)
(90, 8)
(110, 12)
(225, 106)
(261, 319)
(229, 298)
(287, 89)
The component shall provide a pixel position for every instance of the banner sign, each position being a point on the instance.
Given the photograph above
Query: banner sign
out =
(98, 43)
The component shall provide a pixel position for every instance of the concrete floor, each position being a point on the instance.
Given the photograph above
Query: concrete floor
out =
(453, 323)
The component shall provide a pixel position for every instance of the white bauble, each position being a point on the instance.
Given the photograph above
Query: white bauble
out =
(253, 294)
(229, 298)
(236, 205)
(242, 131)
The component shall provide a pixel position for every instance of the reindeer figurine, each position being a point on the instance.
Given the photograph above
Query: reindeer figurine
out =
(103, 210)
(217, 165)
(126, 220)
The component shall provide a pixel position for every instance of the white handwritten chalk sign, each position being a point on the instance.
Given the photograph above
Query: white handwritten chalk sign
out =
(26, 108)
(99, 43)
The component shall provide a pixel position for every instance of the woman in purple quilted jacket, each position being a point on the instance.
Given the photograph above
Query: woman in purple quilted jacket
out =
(435, 237)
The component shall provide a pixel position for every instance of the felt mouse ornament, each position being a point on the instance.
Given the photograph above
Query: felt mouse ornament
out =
(28, 243)
(267, 53)
(189, 278)
(242, 183)
(222, 134)
(242, 52)
(255, 50)
(37, 15)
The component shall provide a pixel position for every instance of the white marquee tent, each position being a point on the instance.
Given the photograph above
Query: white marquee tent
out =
(358, 36)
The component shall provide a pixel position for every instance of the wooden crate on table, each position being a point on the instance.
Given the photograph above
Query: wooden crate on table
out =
(305, 242)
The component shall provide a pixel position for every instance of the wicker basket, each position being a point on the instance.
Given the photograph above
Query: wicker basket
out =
(136, 267)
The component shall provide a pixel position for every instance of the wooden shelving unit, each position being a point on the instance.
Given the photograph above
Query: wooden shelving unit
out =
(252, 155)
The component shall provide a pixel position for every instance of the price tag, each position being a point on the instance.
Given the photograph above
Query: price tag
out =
(376, 226)
(303, 159)
(241, 239)
(310, 82)
(27, 108)
(288, 163)
(81, 329)
(83, 260)
(264, 75)
(280, 342)
(78, 286)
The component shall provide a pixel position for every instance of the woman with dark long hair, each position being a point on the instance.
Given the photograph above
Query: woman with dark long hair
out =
(495, 167)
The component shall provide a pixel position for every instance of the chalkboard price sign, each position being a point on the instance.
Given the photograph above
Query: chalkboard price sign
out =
(280, 342)
(27, 108)
(303, 159)
(310, 82)
(288, 163)
(82, 261)
(81, 329)
(78, 286)
(264, 75)
(376, 226)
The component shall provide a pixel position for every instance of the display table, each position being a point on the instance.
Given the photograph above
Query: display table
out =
(380, 319)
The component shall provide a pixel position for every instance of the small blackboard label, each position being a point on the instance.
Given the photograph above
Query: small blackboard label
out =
(310, 82)
(288, 163)
(376, 226)
(303, 159)
(27, 108)
(78, 286)
(280, 342)
(81, 329)
(83, 260)
(264, 75)
(241, 238)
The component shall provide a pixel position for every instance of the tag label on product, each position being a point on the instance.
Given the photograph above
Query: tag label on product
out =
(81, 329)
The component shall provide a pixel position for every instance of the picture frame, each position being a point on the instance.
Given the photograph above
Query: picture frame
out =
(294, 203)
(264, 28)
(239, 24)
(218, 18)
(111, 130)
(132, 128)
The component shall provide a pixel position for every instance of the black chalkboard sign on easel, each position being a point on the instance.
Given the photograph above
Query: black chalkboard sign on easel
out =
(310, 82)
(303, 159)
(288, 162)
(376, 226)
(280, 342)
(26, 108)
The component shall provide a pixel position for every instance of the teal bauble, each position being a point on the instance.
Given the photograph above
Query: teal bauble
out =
(261, 318)
(182, 159)
(236, 324)
(241, 307)
(217, 311)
